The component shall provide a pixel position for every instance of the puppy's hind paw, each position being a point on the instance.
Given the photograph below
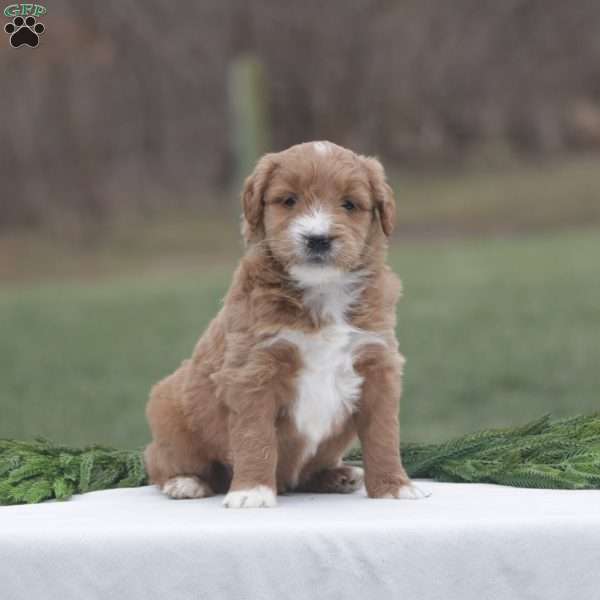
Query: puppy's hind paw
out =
(337, 480)
(260, 496)
(350, 479)
(186, 486)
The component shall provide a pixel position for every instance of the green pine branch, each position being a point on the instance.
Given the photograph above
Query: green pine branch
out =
(563, 454)
(35, 471)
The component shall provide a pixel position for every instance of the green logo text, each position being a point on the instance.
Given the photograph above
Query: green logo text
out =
(24, 10)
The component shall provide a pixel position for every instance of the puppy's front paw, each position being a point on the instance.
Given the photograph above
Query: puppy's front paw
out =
(186, 486)
(260, 496)
(407, 492)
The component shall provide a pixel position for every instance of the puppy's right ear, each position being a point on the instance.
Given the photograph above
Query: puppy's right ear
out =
(382, 194)
(253, 198)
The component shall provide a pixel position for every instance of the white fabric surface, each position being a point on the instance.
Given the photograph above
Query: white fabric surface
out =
(465, 541)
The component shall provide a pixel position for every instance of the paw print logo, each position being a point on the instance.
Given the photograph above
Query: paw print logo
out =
(24, 32)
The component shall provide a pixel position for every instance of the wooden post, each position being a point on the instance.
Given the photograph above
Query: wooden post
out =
(249, 119)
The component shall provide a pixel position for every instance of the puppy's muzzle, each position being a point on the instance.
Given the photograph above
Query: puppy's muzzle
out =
(317, 246)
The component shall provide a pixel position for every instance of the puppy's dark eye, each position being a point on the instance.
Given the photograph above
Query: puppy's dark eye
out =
(348, 205)
(289, 201)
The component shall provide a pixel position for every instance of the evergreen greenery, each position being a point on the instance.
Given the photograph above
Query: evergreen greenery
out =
(542, 454)
(40, 470)
(564, 454)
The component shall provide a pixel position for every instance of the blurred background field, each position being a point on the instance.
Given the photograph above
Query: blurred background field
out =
(124, 137)
(495, 332)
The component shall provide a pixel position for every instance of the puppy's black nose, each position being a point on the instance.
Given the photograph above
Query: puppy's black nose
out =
(318, 244)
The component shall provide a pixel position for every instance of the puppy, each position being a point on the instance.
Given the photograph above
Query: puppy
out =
(303, 355)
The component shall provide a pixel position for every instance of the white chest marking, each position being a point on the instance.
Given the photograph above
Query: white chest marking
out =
(328, 387)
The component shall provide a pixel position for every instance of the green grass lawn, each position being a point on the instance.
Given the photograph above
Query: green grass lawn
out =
(495, 332)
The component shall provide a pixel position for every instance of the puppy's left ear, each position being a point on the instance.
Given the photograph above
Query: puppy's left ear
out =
(383, 194)
(252, 197)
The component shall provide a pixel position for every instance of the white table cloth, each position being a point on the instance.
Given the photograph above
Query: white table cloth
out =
(465, 541)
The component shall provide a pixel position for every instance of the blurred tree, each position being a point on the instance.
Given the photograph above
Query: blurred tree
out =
(124, 104)
(249, 117)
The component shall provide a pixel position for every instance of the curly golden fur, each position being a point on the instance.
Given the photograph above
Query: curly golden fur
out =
(303, 356)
